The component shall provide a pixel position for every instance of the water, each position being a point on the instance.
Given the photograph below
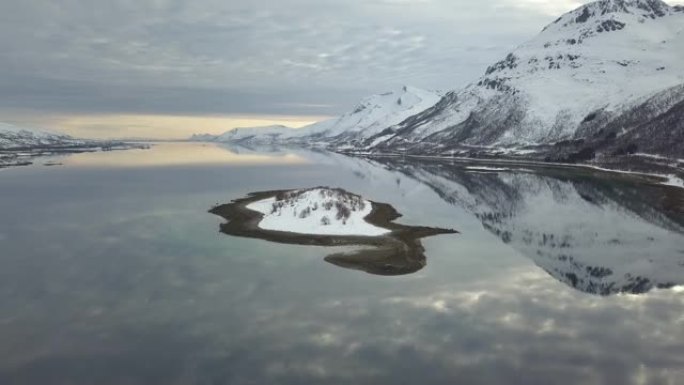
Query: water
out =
(113, 272)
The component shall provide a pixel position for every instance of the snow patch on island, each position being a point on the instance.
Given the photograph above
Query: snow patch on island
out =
(317, 211)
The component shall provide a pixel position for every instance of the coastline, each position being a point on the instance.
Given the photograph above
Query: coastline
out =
(649, 172)
(25, 156)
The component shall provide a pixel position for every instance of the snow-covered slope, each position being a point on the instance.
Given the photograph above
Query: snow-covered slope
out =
(373, 115)
(600, 60)
(370, 117)
(320, 211)
(13, 137)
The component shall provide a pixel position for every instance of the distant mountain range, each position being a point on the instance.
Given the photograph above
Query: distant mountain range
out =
(369, 118)
(14, 137)
(604, 80)
(20, 145)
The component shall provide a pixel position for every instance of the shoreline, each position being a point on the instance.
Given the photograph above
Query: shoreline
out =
(397, 253)
(25, 156)
(674, 178)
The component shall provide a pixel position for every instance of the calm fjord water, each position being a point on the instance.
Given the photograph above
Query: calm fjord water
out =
(113, 272)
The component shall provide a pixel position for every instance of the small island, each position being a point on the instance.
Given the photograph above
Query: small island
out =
(324, 216)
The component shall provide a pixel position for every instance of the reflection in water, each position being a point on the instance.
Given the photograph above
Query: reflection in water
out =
(178, 153)
(117, 276)
(601, 236)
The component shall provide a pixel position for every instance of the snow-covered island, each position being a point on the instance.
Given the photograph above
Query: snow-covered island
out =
(319, 211)
(324, 216)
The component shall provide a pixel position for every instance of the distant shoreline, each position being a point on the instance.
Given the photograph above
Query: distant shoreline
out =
(24, 156)
(655, 173)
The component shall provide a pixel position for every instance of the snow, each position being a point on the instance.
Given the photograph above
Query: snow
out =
(598, 230)
(318, 203)
(555, 80)
(370, 117)
(483, 168)
(239, 134)
(610, 69)
(652, 156)
(377, 113)
(12, 136)
(673, 180)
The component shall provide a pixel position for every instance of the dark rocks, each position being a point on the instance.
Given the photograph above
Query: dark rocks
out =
(610, 25)
(510, 62)
(584, 16)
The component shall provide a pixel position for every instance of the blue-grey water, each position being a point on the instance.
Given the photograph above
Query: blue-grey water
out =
(113, 272)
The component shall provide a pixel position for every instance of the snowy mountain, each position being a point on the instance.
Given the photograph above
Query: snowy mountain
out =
(371, 116)
(13, 137)
(247, 135)
(586, 70)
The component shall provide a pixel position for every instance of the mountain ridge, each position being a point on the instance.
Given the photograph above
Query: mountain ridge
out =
(14, 137)
(370, 116)
(602, 81)
(541, 91)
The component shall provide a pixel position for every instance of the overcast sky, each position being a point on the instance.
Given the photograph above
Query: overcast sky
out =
(124, 67)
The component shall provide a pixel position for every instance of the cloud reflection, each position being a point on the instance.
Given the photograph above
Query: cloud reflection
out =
(175, 154)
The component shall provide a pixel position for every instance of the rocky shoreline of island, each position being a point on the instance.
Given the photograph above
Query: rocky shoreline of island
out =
(398, 252)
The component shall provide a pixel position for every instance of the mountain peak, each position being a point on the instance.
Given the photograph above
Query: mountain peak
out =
(645, 8)
(629, 5)
(609, 15)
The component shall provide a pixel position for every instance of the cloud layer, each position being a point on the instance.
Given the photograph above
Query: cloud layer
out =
(258, 56)
(313, 57)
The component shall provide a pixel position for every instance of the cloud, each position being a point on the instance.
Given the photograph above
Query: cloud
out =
(551, 8)
(353, 45)
(218, 57)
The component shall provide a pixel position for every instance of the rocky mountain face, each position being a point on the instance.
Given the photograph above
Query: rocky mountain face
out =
(610, 71)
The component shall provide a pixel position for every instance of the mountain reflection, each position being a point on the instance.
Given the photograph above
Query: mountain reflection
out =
(599, 235)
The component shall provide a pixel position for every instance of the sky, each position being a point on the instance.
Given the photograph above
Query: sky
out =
(170, 68)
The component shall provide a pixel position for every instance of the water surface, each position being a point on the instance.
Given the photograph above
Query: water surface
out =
(113, 272)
